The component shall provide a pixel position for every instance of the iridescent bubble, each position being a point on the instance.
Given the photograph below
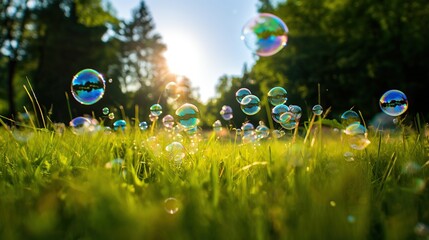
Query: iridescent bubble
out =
(156, 110)
(241, 93)
(217, 126)
(250, 105)
(262, 131)
(88, 86)
(278, 133)
(226, 112)
(296, 110)
(187, 115)
(349, 117)
(80, 125)
(143, 126)
(111, 116)
(23, 130)
(168, 121)
(171, 205)
(351, 219)
(250, 138)
(176, 151)
(317, 110)
(172, 90)
(119, 125)
(393, 103)
(349, 156)
(248, 129)
(265, 35)
(277, 96)
(191, 131)
(107, 130)
(106, 110)
(421, 230)
(357, 136)
(277, 111)
(117, 163)
(152, 117)
(287, 121)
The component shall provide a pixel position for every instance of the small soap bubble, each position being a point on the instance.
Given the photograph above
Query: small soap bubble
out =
(117, 163)
(296, 110)
(143, 126)
(176, 151)
(119, 125)
(241, 93)
(248, 129)
(277, 111)
(88, 86)
(187, 115)
(107, 130)
(80, 125)
(333, 203)
(168, 121)
(110, 80)
(250, 105)
(172, 91)
(111, 116)
(217, 126)
(394, 103)
(171, 205)
(317, 110)
(262, 131)
(105, 110)
(349, 117)
(278, 133)
(349, 156)
(265, 34)
(156, 110)
(351, 219)
(357, 136)
(152, 117)
(191, 131)
(226, 112)
(277, 96)
(421, 230)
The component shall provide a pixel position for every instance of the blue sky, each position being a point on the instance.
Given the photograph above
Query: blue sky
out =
(202, 36)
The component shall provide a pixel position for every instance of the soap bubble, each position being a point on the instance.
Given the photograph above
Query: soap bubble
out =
(349, 117)
(187, 115)
(296, 110)
(217, 126)
(277, 96)
(119, 125)
(88, 86)
(262, 131)
(80, 125)
(172, 91)
(168, 121)
(226, 112)
(250, 105)
(152, 117)
(106, 110)
(317, 110)
(191, 131)
(349, 156)
(277, 111)
(247, 129)
(357, 136)
(176, 151)
(171, 205)
(241, 93)
(156, 110)
(288, 121)
(143, 126)
(111, 116)
(393, 103)
(278, 133)
(23, 130)
(265, 35)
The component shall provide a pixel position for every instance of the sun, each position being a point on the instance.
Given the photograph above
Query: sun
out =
(182, 55)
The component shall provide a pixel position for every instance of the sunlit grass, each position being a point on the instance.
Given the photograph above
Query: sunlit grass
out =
(56, 185)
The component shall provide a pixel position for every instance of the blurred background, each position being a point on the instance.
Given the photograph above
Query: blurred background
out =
(354, 49)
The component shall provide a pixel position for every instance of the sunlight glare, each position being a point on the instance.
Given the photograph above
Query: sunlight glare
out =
(182, 55)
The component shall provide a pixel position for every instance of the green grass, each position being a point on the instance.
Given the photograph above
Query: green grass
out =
(57, 187)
